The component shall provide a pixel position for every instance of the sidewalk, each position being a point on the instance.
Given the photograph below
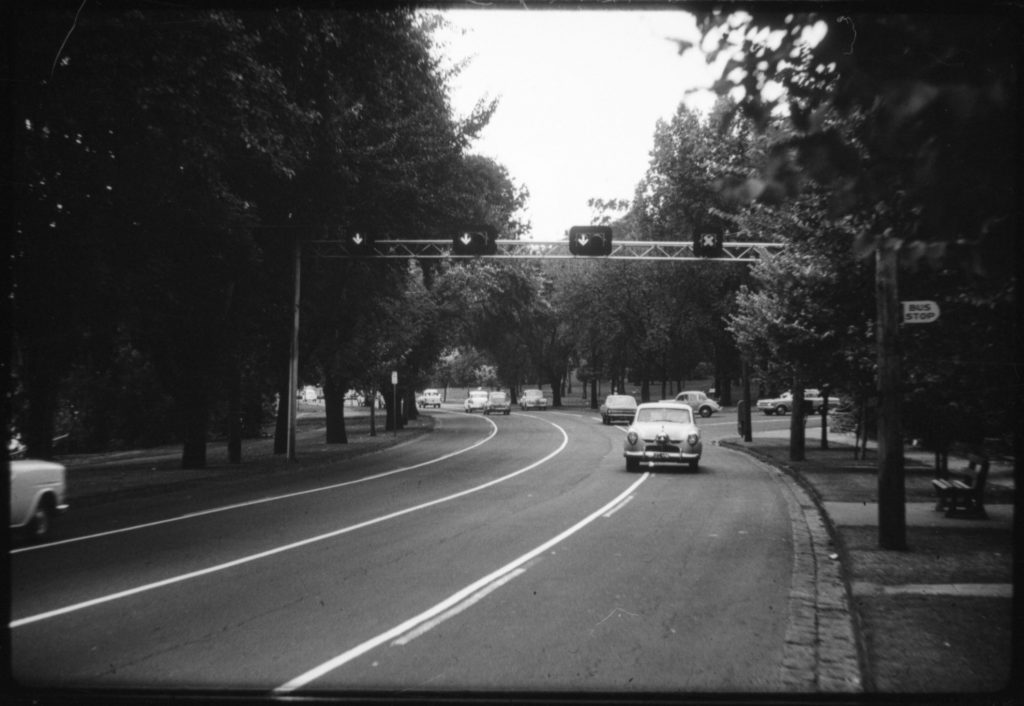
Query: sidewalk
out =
(936, 618)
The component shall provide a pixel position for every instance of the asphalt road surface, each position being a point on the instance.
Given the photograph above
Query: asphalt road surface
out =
(493, 554)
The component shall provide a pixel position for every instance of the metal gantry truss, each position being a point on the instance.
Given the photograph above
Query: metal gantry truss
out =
(541, 249)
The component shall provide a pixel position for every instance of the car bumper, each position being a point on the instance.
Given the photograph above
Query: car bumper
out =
(614, 417)
(657, 456)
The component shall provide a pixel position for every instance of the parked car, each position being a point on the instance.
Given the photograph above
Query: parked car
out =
(430, 398)
(498, 403)
(663, 433)
(704, 405)
(533, 399)
(38, 495)
(476, 402)
(783, 404)
(618, 408)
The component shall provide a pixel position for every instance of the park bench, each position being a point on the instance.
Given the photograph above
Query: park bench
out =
(964, 498)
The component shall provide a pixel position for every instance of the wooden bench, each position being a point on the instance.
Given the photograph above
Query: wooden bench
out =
(964, 498)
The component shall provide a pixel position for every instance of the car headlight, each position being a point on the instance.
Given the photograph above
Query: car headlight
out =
(631, 438)
(692, 439)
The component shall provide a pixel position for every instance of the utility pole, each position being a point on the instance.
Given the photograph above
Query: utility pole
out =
(892, 510)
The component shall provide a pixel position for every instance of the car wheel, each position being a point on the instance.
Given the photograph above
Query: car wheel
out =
(632, 465)
(694, 465)
(605, 420)
(769, 412)
(705, 411)
(39, 526)
(506, 412)
(781, 410)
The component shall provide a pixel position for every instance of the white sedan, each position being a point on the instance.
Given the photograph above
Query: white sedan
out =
(662, 433)
(38, 494)
(476, 402)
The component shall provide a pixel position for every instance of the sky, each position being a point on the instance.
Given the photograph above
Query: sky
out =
(580, 93)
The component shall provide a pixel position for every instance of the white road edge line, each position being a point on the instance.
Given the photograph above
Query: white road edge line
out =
(250, 503)
(452, 600)
(284, 548)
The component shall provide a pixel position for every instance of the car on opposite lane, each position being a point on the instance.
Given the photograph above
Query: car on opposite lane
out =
(618, 408)
(662, 433)
(498, 403)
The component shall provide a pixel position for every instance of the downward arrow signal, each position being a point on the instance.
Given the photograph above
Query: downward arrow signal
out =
(357, 239)
(582, 239)
(466, 238)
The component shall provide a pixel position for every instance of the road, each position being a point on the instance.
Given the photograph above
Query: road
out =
(495, 553)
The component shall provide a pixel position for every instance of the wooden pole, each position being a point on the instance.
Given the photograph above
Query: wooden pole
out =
(892, 511)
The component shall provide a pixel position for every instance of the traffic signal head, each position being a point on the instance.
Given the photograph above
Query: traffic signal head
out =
(590, 240)
(708, 243)
(475, 240)
(359, 242)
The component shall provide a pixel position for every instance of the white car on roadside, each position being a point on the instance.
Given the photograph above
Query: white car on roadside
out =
(38, 495)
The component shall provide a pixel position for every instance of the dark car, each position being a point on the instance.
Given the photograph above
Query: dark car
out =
(618, 408)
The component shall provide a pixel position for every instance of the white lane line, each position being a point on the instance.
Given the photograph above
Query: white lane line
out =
(452, 612)
(284, 548)
(250, 503)
(619, 506)
(449, 602)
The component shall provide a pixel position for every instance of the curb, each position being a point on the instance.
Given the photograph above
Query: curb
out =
(824, 652)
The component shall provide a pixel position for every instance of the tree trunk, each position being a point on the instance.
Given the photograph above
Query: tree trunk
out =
(235, 417)
(194, 408)
(334, 407)
(556, 388)
(411, 411)
(797, 439)
(824, 418)
(41, 386)
(281, 423)
(593, 394)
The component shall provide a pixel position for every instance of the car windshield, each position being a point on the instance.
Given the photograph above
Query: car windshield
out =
(497, 397)
(620, 401)
(664, 414)
(478, 395)
(532, 394)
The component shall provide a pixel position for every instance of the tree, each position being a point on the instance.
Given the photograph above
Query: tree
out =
(931, 100)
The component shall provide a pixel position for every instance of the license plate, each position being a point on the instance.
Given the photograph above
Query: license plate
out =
(661, 456)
